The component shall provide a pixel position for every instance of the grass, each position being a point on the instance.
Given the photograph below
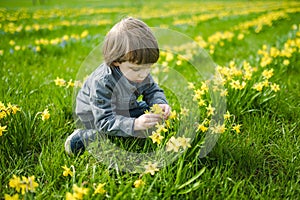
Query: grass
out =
(261, 162)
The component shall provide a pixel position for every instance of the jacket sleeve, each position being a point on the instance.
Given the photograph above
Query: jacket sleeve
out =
(154, 94)
(103, 108)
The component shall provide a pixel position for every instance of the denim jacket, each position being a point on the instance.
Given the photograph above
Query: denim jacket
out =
(104, 101)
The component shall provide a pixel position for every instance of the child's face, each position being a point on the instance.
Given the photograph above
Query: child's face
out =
(133, 72)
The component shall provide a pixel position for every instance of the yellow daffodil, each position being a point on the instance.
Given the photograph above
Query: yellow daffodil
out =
(156, 109)
(156, 137)
(173, 115)
(45, 115)
(70, 83)
(32, 184)
(201, 102)
(227, 115)
(198, 94)
(15, 182)
(184, 111)
(67, 171)
(218, 128)
(240, 36)
(275, 87)
(13, 197)
(210, 110)
(14, 109)
(224, 92)
(84, 34)
(77, 84)
(184, 142)
(151, 168)
(236, 84)
(258, 86)
(268, 73)
(191, 85)
(286, 62)
(138, 183)
(79, 192)
(202, 128)
(169, 56)
(100, 189)
(12, 42)
(160, 128)
(237, 128)
(204, 86)
(2, 129)
(173, 144)
(178, 62)
(70, 196)
(2, 106)
(60, 82)
(3, 114)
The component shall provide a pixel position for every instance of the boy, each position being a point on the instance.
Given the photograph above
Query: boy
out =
(107, 102)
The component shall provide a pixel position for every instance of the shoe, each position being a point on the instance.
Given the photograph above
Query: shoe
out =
(76, 142)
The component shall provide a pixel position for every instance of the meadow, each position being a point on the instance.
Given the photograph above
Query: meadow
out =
(250, 107)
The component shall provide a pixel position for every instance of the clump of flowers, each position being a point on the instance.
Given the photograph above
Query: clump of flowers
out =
(83, 193)
(78, 193)
(64, 83)
(22, 186)
(175, 143)
(6, 111)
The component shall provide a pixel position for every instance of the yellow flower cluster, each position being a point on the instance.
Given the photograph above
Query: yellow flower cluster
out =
(78, 193)
(22, 13)
(13, 17)
(63, 83)
(268, 19)
(156, 135)
(174, 144)
(38, 43)
(82, 192)
(13, 28)
(261, 21)
(188, 50)
(162, 128)
(239, 77)
(6, 111)
(290, 47)
(200, 96)
(24, 185)
(235, 9)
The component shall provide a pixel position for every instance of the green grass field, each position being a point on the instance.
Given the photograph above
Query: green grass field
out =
(256, 47)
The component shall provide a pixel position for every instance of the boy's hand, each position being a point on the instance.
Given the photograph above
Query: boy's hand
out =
(146, 121)
(166, 109)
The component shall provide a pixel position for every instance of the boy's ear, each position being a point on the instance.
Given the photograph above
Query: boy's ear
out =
(116, 63)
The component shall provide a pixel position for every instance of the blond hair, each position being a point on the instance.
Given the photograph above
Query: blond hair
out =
(130, 40)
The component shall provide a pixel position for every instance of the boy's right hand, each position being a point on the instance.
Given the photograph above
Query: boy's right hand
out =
(146, 121)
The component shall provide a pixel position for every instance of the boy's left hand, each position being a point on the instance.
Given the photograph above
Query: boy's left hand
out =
(167, 110)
